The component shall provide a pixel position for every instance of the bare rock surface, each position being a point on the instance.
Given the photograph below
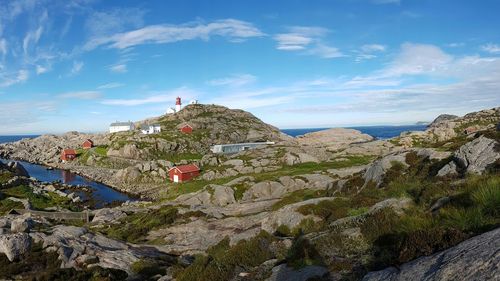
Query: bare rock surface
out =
(14, 245)
(311, 272)
(475, 259)
(376, 172)
(334, 139)
(472, 157)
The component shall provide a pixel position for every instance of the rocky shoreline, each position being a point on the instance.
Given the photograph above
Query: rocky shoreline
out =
(330, 205)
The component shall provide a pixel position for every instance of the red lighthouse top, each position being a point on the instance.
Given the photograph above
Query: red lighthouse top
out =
(178, 101)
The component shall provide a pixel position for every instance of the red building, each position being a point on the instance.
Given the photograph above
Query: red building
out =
(187, 129)
(184, 173)
(88, 144)
(68, 154)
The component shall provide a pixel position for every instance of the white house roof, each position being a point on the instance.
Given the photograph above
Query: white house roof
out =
(121, 124)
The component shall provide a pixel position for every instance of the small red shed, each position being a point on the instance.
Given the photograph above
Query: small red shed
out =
(183, 173)
(187, 129)
(68, 154)
(88, 144)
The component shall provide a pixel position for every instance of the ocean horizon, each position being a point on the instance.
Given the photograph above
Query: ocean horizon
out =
(378, 132)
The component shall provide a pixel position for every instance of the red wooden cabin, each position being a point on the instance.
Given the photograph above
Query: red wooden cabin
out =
(88, 144)
(187, 129)
(183, 173)
(68, 154)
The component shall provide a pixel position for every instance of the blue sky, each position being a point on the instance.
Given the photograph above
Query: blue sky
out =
(81, 64)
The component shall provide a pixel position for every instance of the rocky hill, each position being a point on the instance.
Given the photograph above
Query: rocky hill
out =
(289, 211)
(448, 127)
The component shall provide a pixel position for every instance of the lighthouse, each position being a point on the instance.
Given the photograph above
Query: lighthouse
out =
(178, 104)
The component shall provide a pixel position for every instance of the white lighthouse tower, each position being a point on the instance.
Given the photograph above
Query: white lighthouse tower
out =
(178, 104)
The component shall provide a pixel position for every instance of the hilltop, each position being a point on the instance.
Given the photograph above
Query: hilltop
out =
(326, 206)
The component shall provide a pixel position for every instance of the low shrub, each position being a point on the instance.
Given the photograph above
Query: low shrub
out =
(134, 228)
(222, 261)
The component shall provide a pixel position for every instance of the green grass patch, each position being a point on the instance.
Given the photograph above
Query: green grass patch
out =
(298, 196)
(222, 261)
(6, 205)
(40, 202)
(134, 228)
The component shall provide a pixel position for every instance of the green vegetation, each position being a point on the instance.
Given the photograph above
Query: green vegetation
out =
(298, 196)
(38, 201)
(5, 176)
(101, 150)
(134, 228)
(222, 260)
(6, 205)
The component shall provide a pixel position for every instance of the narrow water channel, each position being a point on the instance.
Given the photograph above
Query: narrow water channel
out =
(101, 193)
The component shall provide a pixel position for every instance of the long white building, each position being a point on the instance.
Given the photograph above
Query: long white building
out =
(121, 127)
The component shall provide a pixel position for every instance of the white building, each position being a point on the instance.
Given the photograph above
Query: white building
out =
(170, 110)
(237, 147)
(121, 127)
(149, 129)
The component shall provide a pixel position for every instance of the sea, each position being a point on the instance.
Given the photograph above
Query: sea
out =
(378, 132)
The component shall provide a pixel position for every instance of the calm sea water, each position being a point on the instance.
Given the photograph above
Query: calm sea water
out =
(15, 138)
(379, 132)
(102, 194)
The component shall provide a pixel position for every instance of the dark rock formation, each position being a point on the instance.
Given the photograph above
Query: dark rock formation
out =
(474, 259)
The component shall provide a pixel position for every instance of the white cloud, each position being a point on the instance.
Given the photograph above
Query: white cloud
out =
(234, 80)
(32, 36)
(168, 96)
(370, 48)
(419, 59)
(77, 67)
(491, 48)
(326, 52)
(82, 95)
(162, 34)
(7, 80)
(308, 40)
(368, 52)
(292, 42)
(3, 47)
(41, 69)
(104, 23)
(110, 85)
(118, 68)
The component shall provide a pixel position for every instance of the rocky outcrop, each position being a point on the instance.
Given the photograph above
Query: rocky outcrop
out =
(472, 157)
(474, 259)
(441, 118)
(14, 245)
(312, 272)
(17, 169)
(77, 248)
(334, 139)
(377, 170)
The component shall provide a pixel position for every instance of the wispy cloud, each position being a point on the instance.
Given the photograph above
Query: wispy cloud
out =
(7, 80)
(82, 95)
(104, 23)
(41, 69)
(234, 30)
(166, 96)
(491, 48)
(308, 40)
(77, 67)
(368, 51)
(3, 47)
(235, 80)
(110, 86)
(118, 68)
